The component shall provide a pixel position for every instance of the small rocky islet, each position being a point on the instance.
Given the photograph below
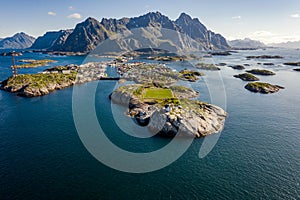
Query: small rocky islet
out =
(295, 64)
(262, 72)
(209, 67)
(32, 63)
(292, 63)
(237, 67)
(264, 57)
(246, 77)
(264, 88)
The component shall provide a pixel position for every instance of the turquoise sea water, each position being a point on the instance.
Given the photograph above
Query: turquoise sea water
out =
(256, 157)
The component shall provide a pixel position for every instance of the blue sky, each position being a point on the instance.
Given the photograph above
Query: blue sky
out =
(266, 20)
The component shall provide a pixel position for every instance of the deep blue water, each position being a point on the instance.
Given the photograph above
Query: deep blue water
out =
(256, 157)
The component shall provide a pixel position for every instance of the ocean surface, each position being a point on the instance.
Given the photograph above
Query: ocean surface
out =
(256, 157)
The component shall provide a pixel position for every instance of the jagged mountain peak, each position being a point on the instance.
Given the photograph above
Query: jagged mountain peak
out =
(185, 20)
(89, 21)
(185, 16)
(21, 33)
(152, 19)
(197, 31)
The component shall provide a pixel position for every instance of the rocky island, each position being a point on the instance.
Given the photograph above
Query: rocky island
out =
(168, 111)
(190, 75)
(31, 85)
(167, 58)
(204, 66)
(237, 67)
(55, 78)
(292, 63)
(262, 72)
(246, 77)
(221, 53)
(264, 88)
(264, 57)
(31, 63)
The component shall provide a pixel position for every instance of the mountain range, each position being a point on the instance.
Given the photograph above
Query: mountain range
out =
(246, 43)
(153, 30)
(290, 45)
(17, 41)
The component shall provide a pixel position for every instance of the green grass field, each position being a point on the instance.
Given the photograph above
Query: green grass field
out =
(157, 93)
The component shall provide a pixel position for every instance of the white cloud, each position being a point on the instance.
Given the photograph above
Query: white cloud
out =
(70, 8)
(237, 17)
(75, 16)
(269, 37)
(51, 13)
(295, 16)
